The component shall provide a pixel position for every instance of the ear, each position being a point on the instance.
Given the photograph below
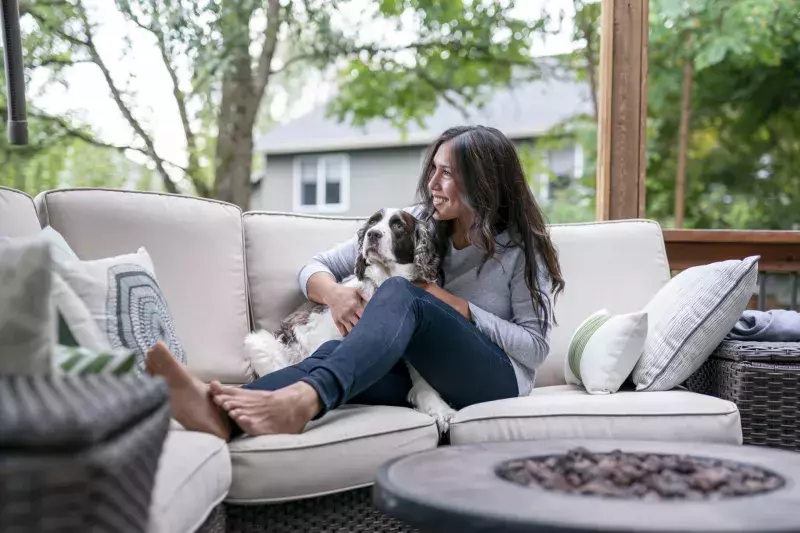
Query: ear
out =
(426, 254)
(361, 263)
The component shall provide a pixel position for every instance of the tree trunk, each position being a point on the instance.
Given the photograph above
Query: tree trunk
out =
(237, 113)
(242, 92)
(686, 110)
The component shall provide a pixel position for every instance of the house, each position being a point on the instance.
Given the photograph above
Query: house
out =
(317, 165)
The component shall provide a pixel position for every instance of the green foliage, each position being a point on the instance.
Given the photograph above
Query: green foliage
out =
(459, 53)
(741, 170)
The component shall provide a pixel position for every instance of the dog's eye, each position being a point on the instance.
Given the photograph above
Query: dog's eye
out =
(397, 225)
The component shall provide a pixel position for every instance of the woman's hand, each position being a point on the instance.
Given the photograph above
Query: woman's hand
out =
(346, 304)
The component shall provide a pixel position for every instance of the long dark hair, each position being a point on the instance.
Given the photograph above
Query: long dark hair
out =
(494, 188)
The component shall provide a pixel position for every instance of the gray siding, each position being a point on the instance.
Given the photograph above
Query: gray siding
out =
(385, 177)
(378, 178)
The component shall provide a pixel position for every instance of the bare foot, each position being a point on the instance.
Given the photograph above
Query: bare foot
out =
(191, 402)
(258, 412)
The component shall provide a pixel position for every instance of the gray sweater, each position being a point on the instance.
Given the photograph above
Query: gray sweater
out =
(499, 299)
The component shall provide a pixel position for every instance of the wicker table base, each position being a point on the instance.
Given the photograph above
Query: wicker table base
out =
(763, 380)
(350, 511)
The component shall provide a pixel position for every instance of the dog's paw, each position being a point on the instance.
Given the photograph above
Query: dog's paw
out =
(443, 419)
(427, 401)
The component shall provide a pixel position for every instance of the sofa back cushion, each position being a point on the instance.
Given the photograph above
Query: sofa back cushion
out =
(278, 245)
(614, 265)
(17, 214)
(197, 250)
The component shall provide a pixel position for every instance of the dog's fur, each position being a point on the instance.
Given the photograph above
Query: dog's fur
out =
(391, 243)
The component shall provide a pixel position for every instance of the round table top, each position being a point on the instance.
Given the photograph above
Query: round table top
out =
(455, 488)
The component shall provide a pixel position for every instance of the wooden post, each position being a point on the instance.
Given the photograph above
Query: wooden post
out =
(621, 127)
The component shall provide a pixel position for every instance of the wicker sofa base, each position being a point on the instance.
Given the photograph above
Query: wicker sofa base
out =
(350, 511)
(763, 380)
(215, 521)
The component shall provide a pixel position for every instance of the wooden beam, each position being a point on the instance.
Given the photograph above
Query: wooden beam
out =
(621, 161)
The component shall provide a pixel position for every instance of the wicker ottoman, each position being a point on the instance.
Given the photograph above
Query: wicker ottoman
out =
(79, 453)
(763, 380)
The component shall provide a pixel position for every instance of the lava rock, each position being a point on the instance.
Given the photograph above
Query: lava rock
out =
(648, 477)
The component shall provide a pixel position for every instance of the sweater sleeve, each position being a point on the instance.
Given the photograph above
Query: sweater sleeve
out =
(339, 261)
(526, 336)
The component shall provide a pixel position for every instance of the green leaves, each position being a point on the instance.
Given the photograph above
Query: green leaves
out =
(457, 52)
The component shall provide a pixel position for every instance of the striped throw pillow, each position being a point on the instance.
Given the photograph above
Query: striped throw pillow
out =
(604, 349)
(82, 361)
(689, 318)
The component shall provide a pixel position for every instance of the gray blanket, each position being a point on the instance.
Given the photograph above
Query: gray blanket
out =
(776, 325)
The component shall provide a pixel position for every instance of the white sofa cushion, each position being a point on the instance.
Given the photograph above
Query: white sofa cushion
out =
(569, 412)
(338, 452)
(197, 249)
(617, 266)
(278, 245)
(17, 214)
(193, 477)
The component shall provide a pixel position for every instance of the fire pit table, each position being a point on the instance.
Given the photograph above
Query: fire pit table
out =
(593, 485)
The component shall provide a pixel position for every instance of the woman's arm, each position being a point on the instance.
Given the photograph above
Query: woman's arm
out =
(459, 304)
(337, 262)
(526, 336)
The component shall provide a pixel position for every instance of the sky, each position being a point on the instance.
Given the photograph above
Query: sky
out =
(140, 72)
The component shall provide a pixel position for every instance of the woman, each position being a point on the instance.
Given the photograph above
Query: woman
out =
(479, 337)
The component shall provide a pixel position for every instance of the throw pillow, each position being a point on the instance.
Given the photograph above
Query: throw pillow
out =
(689, 317)
(74, 324)
(81, 361)
(604, 349)
(125, 301)
(26, 318)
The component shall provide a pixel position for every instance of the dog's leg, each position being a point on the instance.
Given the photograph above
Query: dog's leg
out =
(427, 400)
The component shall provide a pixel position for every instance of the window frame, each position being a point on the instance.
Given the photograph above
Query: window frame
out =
(320, 206)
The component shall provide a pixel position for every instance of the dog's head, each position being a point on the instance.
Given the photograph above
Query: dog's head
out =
(399, 242)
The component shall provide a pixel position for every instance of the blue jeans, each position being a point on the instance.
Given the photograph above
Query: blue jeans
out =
(402, 321)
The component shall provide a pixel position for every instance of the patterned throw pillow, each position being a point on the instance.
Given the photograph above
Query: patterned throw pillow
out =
(604, 350)
(82, 361)
(125, 301)
(689, 317)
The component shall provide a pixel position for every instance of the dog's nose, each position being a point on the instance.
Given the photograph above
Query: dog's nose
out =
(373, 235)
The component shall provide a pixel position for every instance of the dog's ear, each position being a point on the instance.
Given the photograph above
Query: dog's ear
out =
(426, 252)
(361, 263)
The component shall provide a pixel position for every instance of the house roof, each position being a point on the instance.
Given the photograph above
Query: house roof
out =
(523, 111)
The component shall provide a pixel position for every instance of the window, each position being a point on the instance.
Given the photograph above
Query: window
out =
(322, 184)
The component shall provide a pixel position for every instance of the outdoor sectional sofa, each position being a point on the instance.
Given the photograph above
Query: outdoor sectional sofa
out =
(225, 272)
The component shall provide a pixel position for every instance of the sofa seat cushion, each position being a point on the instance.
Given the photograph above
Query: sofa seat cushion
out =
(340, 451)
(194, 475)
(569, 412)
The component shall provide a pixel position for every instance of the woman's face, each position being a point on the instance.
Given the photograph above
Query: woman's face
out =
(444, 187)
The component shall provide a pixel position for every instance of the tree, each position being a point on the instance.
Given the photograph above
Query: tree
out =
(222, 56)
(734, 88)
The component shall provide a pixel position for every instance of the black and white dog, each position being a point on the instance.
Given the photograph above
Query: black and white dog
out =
(391, 243)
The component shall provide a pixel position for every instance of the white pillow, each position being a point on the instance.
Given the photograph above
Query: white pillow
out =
(689, 317)
(604, 349)
(125, 301)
